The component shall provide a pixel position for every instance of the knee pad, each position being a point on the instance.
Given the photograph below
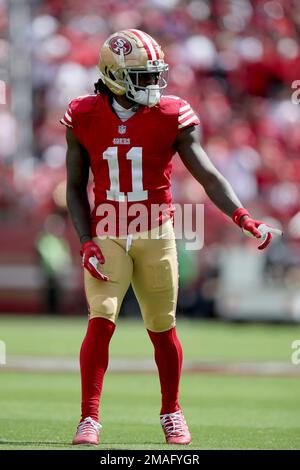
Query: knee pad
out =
(160, 323)
(103, 306)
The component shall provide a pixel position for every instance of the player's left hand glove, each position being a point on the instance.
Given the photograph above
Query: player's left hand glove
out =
(255, 228)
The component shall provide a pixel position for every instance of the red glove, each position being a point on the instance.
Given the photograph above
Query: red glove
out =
(91, 257)
(255, 228)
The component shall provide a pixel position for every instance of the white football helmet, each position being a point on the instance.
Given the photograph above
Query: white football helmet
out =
(125, 57)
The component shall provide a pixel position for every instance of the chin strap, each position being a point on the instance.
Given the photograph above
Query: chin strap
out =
(149, 97)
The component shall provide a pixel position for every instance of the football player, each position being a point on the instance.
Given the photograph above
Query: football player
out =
(126, 133)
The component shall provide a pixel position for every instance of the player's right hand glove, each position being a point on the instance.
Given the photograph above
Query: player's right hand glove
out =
(91, 257)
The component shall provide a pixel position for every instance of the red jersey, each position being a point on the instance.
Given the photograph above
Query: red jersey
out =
(131, 161)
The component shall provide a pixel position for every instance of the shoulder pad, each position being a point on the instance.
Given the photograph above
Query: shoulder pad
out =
(170, 104)
(83, 104)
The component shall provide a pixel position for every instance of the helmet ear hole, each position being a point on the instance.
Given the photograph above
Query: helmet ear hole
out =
(111, 75)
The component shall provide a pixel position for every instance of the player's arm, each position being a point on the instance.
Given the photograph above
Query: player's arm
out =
(77, 180)
(218, 189)
(78, 204)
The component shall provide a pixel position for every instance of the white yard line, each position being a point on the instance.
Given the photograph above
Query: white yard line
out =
(138, 366)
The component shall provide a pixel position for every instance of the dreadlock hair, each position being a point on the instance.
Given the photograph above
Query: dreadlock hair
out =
(100, 87)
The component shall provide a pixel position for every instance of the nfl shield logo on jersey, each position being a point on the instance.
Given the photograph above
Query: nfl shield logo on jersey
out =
(122, 129)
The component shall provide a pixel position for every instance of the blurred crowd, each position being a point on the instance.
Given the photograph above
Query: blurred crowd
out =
(235, 61)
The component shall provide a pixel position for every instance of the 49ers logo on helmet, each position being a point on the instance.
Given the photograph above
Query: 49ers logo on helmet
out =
(118, 44)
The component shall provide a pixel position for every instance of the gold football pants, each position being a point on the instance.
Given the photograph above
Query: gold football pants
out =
(150, 265)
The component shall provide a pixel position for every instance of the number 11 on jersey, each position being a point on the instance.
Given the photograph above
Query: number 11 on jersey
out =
(135, 154)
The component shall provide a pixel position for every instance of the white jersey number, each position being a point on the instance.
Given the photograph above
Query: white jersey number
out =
(114, 193)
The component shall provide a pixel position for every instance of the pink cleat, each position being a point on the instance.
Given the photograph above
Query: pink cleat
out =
(87, 432)
(175, 428)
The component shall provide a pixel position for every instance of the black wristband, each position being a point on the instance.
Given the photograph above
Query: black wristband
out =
(85, 235)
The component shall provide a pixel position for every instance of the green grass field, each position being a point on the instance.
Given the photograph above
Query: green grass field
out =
(40, 410)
